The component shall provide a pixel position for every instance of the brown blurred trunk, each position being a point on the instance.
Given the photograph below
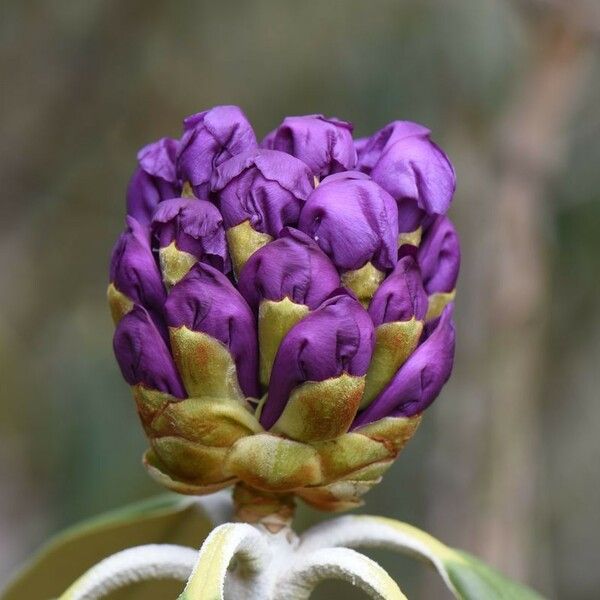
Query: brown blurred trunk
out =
(503, 355)
(531, 142)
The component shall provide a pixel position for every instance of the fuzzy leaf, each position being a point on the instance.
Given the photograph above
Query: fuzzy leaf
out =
(342, 564)
(474, 579)
(464, 575)
(230, 541)
(166, 518)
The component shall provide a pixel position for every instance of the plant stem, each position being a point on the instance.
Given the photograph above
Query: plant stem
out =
(271, 511)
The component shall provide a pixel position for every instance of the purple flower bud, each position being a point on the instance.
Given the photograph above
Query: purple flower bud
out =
(439, 256)
(324, 144)
(143, 356)
(210, 138)
(266, 187)
(402, 159)
(206, 301)
(353, 220)
(420, 379)
(133, 268)
(371, 150)
(401, 296)
(410, 216)
(294, 267)
(194, 226)
(306, 289)
(154, 180)
(336, 338)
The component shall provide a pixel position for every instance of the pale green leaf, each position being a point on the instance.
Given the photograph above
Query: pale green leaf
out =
(337, 563)
(168, 518)
(474, 579)
(464, 575)
(230, 541)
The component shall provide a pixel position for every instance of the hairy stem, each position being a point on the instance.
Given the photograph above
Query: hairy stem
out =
(272, 511)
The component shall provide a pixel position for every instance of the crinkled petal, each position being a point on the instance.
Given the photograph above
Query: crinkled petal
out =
(291, 267)
(404, 161)
(154, 180)
(266, 187)
(371, 149)
(353, 220)
(324, 144)
(158, 159)
(209, 139)
(133, 268)
(196, 227)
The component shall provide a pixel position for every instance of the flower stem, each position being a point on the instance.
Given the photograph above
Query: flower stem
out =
(272, 511)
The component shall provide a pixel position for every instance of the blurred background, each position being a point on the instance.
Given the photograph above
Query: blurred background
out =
(506, 464)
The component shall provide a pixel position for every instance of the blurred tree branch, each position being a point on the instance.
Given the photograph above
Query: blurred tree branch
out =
(531, 140)
(504, 347)
(582, 15)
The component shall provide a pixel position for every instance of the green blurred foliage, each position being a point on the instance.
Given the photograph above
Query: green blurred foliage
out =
(84, 85)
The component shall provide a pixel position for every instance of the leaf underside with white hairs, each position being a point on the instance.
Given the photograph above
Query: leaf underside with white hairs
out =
(169, 518)
(238, 561)
(152, 562)
(337, 563)
(464, 575)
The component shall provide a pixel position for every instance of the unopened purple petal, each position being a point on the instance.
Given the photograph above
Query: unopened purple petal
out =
(143, 355)
(133, 268)
(404, 161)
(158, 159)
(266, 187)
(206, 301)
(336, 338)
(401, 296)
(324, 144)
(353, 220)
(439, 256)
(209, 139)
(291, 267)
(154, 180)
(346, 176)
(143, 196)
(196, 227)
(420, 379)
(410, 216)
(370, 151)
